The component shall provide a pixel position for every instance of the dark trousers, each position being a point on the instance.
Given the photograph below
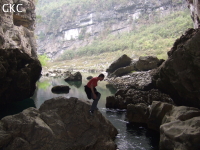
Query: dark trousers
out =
(95, 102)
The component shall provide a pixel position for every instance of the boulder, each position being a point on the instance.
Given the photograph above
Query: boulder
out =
(146, 63)
(60, 89)
(122, 71)
(183, 135)
(137, 113)
(89, 77)
(124, 97)
(60, 123)
(123, 61)
(181, 113)
(179, 74)
(180, 129)
(74, 77)
(137, 80)
(19, 66)
(157, 112)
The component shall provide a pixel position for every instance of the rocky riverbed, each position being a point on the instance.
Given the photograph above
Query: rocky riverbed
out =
(166, 96)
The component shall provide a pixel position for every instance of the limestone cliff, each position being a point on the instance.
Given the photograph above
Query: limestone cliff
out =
(80, 28)
(194, 6)
(19, 66)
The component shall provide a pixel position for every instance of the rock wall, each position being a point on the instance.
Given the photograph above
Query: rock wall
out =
(59, 124)
(194, 6)
(94, 23)
(179, 74)
(178, 126)
(19, 66)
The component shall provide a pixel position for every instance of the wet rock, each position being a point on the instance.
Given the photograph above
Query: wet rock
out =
(137, 113)
(122, 71)
(146, 63)
(74, 77)
(60, 89)
(180, 135)
(179, 74)
(89, 77)
(124, 97)
(137, 80)
(60, 123)
(157, 112)
(123, 61)
(180, 129)
(19, 73)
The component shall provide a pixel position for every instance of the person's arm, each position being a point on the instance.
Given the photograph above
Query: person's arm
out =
(92, 89)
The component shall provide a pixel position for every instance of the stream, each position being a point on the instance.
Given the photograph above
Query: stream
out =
(130, 137)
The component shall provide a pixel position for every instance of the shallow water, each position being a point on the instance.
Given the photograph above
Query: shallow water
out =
(130, 137)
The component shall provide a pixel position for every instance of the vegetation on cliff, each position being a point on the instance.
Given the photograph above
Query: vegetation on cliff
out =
(151, 38)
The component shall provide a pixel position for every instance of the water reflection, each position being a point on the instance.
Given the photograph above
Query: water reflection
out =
(77, 84)
(130, 137)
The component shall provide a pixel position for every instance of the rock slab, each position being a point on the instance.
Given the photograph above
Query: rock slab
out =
(60, 123)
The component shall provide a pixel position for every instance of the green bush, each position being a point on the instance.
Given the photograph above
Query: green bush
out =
(43, 59)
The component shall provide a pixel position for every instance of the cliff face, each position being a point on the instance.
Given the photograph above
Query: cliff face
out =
(83, 28)
(194, 6)
(19, 66)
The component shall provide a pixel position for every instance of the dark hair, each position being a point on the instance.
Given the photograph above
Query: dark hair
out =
(101, 75)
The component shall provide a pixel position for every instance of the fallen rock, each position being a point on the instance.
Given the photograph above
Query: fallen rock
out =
(89, 77)
(182, 135)
(146, 63)
(74, 77)
(131, 96)
(60, 123)
(136, 80)
(179, 74)
(60, 89)
(138, 113)
(123, 61)
(122, 71)
(157, 112)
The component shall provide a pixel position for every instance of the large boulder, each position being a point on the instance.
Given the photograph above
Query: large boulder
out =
(124, 97)
(60, 123)
(19, 66)
(137, 113)
(157, 112)
(179, 75)
(122, 71)
(123, 61)
(137, 80)
(74, 77)
(146, 63)
(180, 135)
(180, 129)
(60, 89)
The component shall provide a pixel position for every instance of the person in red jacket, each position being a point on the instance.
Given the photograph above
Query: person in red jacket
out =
(92, 92)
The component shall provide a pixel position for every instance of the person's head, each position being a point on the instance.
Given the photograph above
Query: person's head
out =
(101, 77)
